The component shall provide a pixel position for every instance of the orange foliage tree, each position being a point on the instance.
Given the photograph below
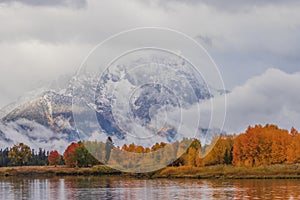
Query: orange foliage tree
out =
(54, 158)
(293, 148)
(266, 145)
(221, 153)
(69, 155)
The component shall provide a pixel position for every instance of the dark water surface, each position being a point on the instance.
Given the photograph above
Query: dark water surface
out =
(72, 188)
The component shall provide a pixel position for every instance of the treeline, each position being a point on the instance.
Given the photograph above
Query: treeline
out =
(21, 154)
(265, 146)
(187, 152)
(259, 145)
(76, 155)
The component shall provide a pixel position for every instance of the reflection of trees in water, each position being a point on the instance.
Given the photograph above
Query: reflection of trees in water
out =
(108, 186)
(95, 187)
(270, 189)
(56, 184)
(22, 187)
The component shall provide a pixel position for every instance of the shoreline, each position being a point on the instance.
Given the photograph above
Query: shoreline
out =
(184, 172)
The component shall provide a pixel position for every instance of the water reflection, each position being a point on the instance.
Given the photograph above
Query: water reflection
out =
(128, 188)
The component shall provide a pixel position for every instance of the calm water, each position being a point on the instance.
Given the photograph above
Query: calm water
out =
(119, 188)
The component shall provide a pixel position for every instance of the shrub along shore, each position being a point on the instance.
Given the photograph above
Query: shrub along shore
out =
(208, 172)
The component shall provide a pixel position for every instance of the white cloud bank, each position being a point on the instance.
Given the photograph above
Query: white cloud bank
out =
(42, 39)
(272, 97)
(32, 134)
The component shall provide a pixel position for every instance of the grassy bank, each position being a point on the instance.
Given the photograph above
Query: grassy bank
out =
(211, 172)
(56, 171)
(230, 172)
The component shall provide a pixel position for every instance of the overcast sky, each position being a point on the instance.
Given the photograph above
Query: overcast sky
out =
(43, 39)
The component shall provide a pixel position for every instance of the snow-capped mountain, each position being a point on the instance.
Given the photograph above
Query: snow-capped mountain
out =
(51, 116)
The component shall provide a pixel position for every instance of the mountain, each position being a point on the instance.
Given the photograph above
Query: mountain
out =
(50, 117)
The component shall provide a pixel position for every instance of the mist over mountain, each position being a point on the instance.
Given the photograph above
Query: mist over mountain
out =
(48, 120)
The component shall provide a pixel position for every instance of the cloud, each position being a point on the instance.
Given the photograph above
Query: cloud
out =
(207, 41)
(233, 5)
(32, 134)
(272, 97)
(48, 38)
(67, 3)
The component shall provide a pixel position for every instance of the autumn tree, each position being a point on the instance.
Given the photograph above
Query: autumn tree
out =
(192, 153)
(69, 155)
(125, 147)
(139, 149)
(20, 154)
(54, 158)
(262, 146)
(280, 141)
(238, 152)
(131, 147)
(221, 152)
(293, 150)
(76, 155)
(186, 152)
(158, 146)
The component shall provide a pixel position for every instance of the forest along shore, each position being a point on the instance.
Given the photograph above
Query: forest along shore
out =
(208, 172)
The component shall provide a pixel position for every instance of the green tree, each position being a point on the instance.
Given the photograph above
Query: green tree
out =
(4, 160)
(84, 157)
(20, 154)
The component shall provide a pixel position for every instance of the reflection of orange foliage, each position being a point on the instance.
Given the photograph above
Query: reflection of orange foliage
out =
(265, 189)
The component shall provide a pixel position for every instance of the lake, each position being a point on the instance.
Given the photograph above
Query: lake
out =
(72, 188)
